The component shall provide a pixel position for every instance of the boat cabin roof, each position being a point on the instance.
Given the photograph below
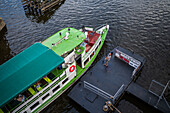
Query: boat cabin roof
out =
(26, 68)
(63, 43)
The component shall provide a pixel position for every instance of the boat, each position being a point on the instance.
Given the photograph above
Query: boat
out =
(34, 78)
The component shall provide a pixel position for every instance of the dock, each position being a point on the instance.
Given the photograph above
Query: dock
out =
(2, 24)
(41, 5)
(149, 97)
(102, 88)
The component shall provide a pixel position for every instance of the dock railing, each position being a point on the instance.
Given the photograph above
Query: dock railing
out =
(102, 93)
(161, 94)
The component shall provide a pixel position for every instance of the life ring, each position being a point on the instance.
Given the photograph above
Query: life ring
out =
(72, 68)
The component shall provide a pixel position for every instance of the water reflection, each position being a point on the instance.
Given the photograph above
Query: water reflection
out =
(5, 51)
(142, 26)
(35, 15)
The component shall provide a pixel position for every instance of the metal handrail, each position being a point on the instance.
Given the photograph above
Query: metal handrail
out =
(96, 90)
(102, 93)
(99, 27)
(119, 91)
(160, 96)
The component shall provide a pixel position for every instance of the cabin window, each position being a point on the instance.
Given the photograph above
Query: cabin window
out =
(34, 106)
(99, 43)
(62, 77)
(38, 86)
(91, 55)
(51, 76)
(45, 96)
(96, 48)
(65, 81)
(58, 71)
(86, 61)
(55, 82)
(55, 89)
(59, 67)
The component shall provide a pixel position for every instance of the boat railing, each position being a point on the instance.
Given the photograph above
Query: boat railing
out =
(92, 49)
(100, 27)
(102, 93)
(39, 96)
(119, 92)
(153, 88)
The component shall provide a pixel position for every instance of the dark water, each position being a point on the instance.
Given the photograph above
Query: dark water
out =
(139, 25)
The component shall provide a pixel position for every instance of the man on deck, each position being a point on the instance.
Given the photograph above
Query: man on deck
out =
(107, 59)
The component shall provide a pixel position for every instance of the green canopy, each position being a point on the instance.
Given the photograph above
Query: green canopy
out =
(23, 70)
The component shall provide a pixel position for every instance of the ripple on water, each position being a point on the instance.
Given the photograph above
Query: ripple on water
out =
(142, 26)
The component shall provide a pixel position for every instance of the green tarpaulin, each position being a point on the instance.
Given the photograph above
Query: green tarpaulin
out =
(23, 70)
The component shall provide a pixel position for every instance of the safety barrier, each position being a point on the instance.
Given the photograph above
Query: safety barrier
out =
(161, 95)
(102, 93)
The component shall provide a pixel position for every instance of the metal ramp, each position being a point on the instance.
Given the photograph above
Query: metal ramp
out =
(161, 91)
(104, 94)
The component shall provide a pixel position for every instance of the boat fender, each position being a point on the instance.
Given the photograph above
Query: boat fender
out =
(72, 68)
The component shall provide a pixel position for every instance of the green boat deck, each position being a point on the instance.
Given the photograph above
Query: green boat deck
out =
(63, 45)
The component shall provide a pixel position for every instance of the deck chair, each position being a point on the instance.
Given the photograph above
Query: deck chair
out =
(31, 91)
(1, 111)
(47, 79)
(39, 88)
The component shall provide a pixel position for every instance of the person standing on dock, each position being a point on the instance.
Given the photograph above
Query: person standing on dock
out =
(107, 59)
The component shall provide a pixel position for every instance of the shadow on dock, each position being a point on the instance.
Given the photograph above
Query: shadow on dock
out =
(35, 14)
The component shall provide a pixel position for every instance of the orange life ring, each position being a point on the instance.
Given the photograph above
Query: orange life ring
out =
(72, 68)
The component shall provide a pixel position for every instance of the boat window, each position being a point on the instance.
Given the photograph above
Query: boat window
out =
(59, 67)
(55, 89)
(96, 48)
(58, 71)
(38, 86)
(85, 63)
(45, 96)
(99, 43)
(27, 94)
(51, 76)
(17, 101)
(91, 55)
(34, 106)
(62, 77)
(65, 81)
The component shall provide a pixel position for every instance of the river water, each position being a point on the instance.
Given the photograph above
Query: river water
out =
(142, 26)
